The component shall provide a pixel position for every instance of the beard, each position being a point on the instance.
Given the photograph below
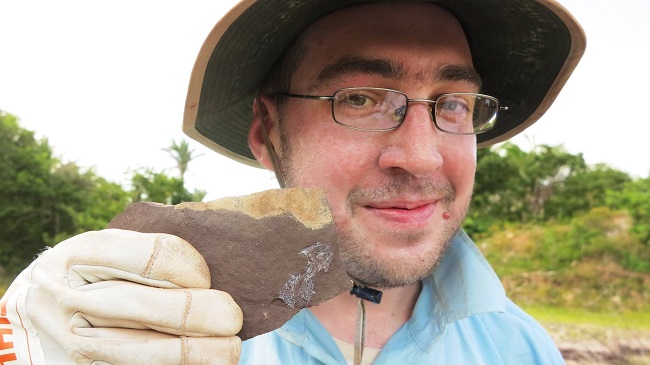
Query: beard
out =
(397, 268)
(389, 269)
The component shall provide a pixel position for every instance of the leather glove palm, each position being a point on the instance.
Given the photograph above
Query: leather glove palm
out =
(120, 297)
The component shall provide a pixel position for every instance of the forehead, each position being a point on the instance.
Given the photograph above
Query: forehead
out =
(418, 39)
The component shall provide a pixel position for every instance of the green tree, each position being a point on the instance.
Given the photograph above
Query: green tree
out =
(25, 215)
(584, 190)
(495, 190)
(98, 202)
(148, 185)
(513, 185)
(43, 199)
(634, 196)
(182, 154)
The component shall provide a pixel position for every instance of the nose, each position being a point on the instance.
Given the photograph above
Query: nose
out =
(414, 147)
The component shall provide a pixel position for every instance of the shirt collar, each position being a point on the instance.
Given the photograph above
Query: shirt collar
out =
(463, 285)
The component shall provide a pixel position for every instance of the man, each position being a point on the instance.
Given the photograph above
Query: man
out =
(380, 106)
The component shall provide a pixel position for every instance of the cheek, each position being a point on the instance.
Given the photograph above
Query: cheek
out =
(325, 155)
(460, 164)
(330, 164)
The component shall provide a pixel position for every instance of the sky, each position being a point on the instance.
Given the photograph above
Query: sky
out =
(105, 82)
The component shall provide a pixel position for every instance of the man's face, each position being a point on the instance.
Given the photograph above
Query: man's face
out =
(398, 196)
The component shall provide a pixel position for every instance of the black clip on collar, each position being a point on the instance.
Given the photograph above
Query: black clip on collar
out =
(369, 294)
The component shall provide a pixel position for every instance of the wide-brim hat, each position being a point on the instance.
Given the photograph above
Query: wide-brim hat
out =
(524, 50)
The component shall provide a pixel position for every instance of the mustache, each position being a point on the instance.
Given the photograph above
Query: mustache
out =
(400, 186)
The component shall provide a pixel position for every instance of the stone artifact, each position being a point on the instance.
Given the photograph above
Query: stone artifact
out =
(274, 252)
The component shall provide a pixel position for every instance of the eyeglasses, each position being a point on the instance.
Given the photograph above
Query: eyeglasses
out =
(378, 109)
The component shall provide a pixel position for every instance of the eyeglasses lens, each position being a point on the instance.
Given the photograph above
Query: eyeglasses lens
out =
(465, 113)
(369, 109)
(382, 109)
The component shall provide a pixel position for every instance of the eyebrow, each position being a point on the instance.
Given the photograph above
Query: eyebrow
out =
(459, 73)
(351, 65)
(392, 70)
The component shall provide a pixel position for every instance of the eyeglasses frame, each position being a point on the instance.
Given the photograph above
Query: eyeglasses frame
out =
(408, 100)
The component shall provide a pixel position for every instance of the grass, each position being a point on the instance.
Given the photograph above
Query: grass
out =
(572, 316)
(588, 338)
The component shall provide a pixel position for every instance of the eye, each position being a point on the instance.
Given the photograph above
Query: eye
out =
(359, 100)
(453, 106)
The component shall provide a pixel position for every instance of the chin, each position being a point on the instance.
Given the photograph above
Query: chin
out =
(392, 267)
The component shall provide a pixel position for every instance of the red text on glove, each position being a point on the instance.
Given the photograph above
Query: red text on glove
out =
(5, 330)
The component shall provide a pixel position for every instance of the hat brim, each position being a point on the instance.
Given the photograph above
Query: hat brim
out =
(524, 51)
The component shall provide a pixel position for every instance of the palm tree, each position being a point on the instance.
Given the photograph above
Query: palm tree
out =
(182, 154)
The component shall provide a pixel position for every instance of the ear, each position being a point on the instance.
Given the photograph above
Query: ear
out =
(265, 117)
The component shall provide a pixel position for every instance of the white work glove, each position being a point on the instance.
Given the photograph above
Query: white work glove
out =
(118, 297)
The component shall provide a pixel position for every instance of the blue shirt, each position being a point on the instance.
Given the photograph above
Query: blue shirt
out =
(462, 316)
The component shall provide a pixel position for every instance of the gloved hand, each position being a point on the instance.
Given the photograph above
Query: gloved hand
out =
(118, 297)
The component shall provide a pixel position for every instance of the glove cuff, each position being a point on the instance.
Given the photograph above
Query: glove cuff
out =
(18, 337)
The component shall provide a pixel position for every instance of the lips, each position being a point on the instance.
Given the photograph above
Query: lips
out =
(410, 213)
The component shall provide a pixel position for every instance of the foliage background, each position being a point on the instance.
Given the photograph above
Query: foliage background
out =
(561, 233)
(558, 232)
(45, 200)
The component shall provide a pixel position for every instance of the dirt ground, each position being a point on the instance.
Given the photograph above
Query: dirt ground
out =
(595, 345)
